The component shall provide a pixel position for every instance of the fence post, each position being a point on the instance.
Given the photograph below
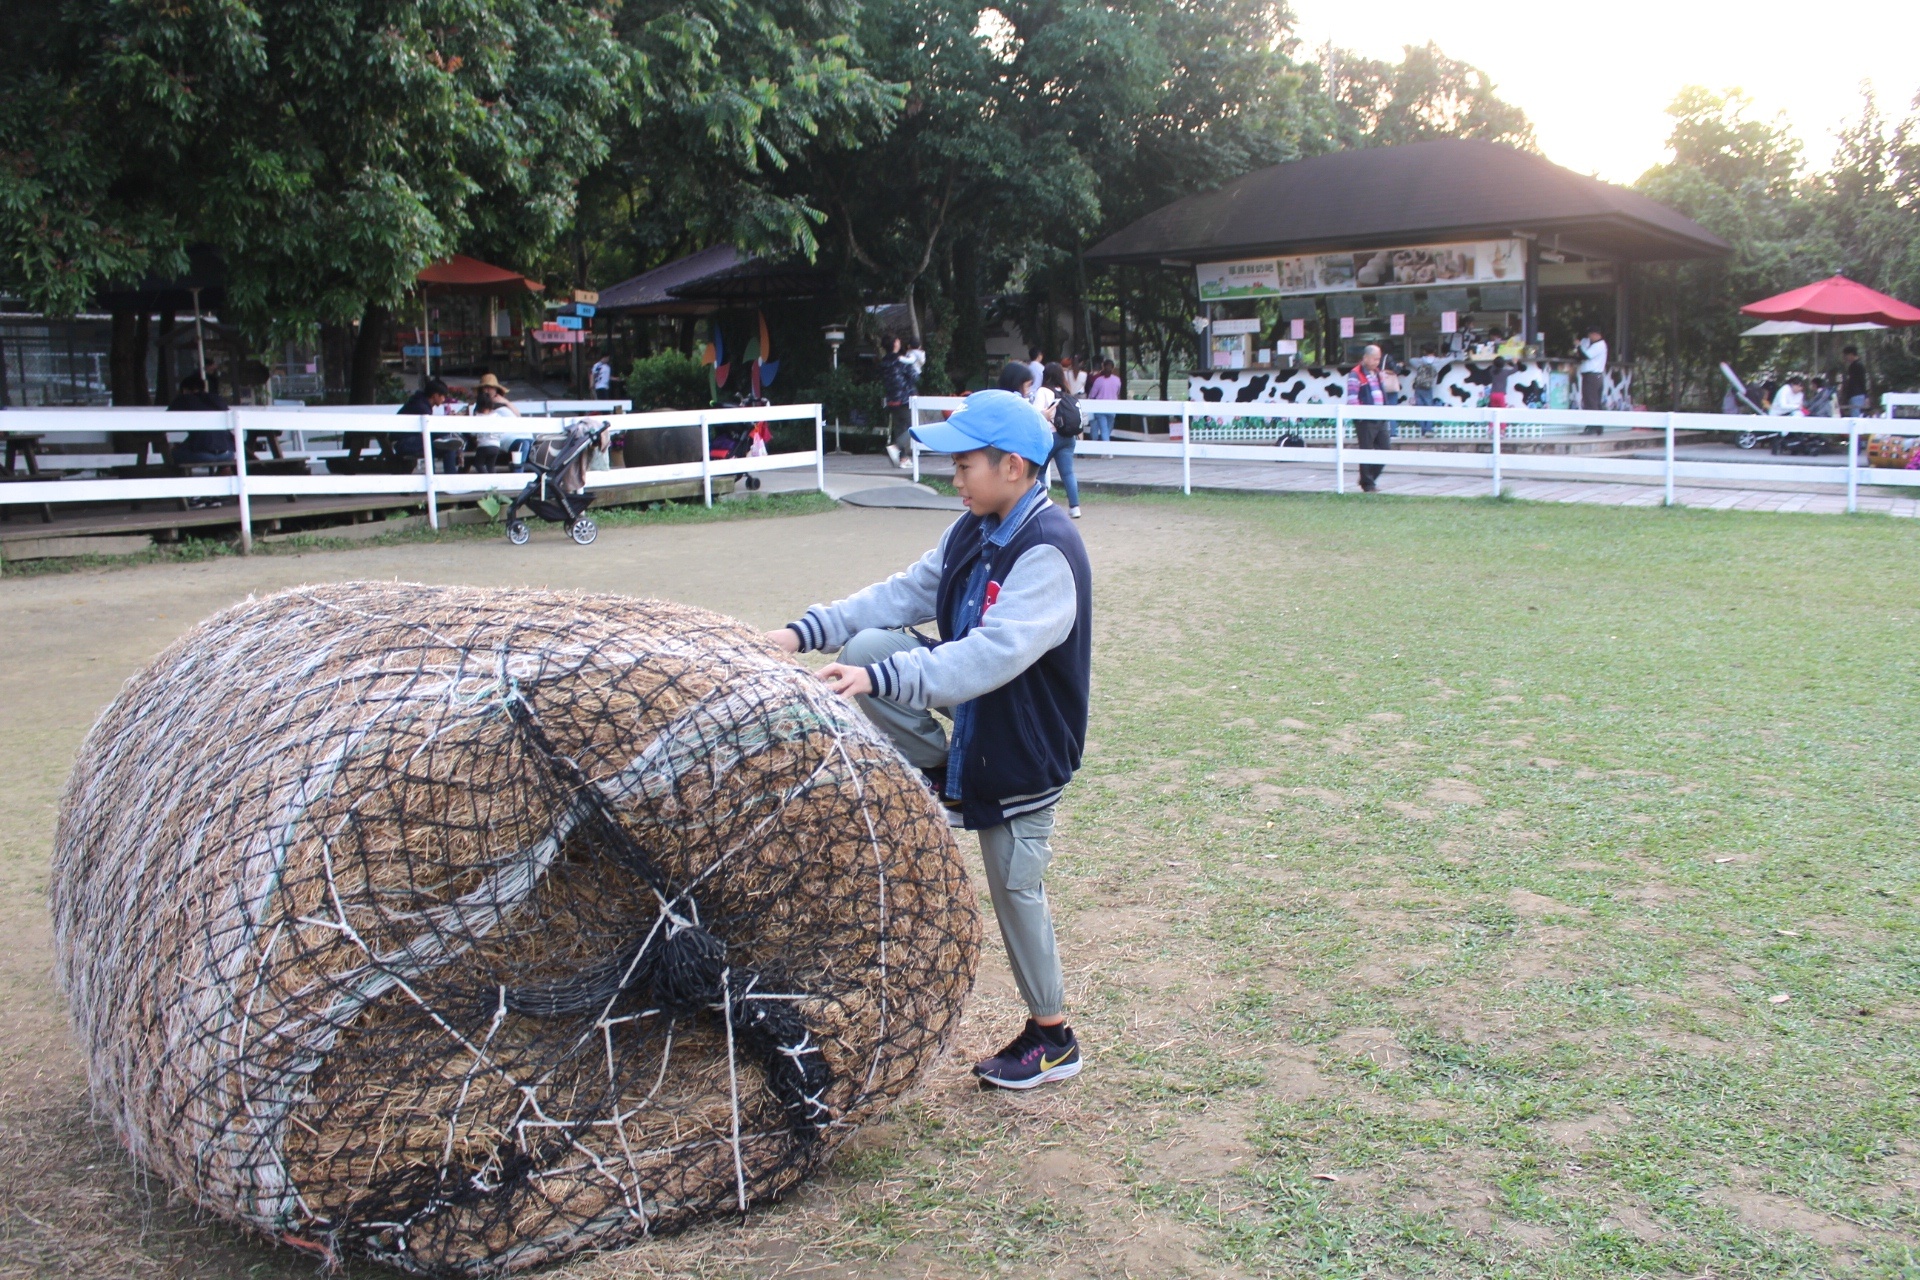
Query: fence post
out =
(1340, 447)
(426, 469)
(706, 463)
(819, 449)
(1494, 427)
(239, 480)
(1186, 451)
(1669, 458)
(1853, 470)
(913, 441)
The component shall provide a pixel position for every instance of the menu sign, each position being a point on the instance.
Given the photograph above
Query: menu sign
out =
(1477, 262)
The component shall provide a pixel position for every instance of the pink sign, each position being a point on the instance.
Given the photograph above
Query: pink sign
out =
(1449, 321)
(1298, 331)
(1397, 324)
(1346, 326)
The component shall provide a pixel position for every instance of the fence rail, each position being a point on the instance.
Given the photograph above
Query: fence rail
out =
(430, 484)
(1490, 425)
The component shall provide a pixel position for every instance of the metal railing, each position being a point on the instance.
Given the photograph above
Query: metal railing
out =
(1489, 425)
(246, 485)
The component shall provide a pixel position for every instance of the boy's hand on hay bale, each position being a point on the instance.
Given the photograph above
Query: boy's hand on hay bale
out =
(786, 640)
(842, 678)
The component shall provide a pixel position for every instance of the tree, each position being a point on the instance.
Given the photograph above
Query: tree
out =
(1741, 179)
(331, 149)
(1425, 95)
(731, 96)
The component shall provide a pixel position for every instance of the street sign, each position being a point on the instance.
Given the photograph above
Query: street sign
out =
(589, 296)
(415, 353)
(584, 309)
(569, 322)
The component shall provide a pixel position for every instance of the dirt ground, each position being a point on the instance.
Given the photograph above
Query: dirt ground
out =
(1451, 889)
(69, 1204)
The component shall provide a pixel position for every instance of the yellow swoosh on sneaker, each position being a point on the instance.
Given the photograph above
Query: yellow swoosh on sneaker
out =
(1048, 1064)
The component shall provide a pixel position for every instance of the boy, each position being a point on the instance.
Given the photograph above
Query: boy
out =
(1010, 590)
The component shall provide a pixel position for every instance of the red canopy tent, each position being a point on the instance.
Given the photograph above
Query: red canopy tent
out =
(1835, 300)
(463, 275)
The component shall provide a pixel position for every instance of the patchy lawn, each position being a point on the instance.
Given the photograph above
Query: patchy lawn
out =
(1452, 889)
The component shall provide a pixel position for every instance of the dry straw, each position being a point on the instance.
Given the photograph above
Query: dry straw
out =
(462, 929)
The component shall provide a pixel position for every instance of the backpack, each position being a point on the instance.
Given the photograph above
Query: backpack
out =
(1066, 415)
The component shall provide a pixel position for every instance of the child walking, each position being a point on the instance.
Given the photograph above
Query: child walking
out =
(1010, 591)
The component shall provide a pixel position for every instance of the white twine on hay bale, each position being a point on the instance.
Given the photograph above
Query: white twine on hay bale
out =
(462, 929)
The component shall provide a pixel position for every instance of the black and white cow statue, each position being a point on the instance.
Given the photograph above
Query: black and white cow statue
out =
(1313, 384)
(1459, 384)
(1464, 384)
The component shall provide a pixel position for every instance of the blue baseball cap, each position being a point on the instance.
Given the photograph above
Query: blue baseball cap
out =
(1000, 419)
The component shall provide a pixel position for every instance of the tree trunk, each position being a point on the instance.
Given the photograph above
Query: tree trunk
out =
(336, 358)
(364, 383)
(164, 380)
(969, 351)
(127, 356)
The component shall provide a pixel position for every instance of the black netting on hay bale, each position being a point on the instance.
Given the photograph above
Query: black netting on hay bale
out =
(462, 929)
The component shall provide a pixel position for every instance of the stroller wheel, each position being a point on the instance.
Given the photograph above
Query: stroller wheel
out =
(583, 530)
(517, 532)
(753, 482)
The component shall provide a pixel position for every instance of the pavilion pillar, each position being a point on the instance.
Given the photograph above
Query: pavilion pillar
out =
(1618, 353)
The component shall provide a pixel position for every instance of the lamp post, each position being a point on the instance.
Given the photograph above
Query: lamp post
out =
(835, 334)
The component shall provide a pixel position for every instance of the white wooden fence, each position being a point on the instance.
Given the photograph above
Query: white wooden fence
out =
(428, 483)
(1497, 463)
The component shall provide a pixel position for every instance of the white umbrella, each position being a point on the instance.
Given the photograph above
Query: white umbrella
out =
(1784, 328)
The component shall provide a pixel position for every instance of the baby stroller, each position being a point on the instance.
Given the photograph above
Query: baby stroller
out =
(557, 490)
(726, 441)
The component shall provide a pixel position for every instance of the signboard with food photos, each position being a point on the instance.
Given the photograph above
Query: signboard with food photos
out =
(1475, 262)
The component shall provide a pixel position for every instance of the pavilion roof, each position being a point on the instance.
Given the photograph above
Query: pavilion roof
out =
(1421, 193)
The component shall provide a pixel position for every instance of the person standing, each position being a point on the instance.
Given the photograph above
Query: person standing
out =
(603, 378)
(1593, 375)
(1010, 589)
(1076, 376)
(1062, 412)
(1853, 383)
(1037, 369)
(1104, 386)
(899, 383)
(1426, 373)
(1364, 387)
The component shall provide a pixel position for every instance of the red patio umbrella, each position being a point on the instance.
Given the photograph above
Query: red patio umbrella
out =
(1835, 300)
(461, 274)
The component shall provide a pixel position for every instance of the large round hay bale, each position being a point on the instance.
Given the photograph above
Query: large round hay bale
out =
(462, 929)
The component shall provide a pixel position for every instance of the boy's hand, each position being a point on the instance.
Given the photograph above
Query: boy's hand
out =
(842, 678)
(786, 640)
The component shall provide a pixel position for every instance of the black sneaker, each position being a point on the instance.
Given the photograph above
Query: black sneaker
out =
(1036, 1056)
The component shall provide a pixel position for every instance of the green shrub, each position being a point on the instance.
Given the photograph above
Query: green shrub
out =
(845, 397)
(669, 380)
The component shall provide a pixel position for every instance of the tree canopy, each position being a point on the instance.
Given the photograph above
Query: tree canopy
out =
(934, 152)
(1745, 180)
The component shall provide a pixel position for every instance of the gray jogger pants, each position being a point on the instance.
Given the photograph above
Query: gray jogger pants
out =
(1016, 852)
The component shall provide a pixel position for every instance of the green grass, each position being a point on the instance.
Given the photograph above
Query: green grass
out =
(1539, 727)
(666, 513)
(1503, 823)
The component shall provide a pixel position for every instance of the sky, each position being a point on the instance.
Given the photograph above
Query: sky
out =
(1596, 78)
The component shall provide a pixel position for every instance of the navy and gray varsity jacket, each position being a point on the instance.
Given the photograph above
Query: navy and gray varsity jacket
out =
(1016, 675)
